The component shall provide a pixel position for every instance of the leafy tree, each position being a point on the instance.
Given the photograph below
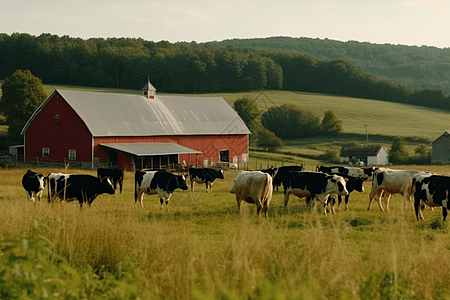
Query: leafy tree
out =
(290, 121)
(422, 155)
(247, 109)
(398, 153)
(22, 93)
(268, 139)
(331, 124)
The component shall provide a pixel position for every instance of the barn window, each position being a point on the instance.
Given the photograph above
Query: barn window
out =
(224, 155)
(46, 152)
(72, 154)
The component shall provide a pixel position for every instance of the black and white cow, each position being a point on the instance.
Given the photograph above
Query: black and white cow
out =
(84, 188)
(365, 173)
(204, 175)
(157, 182)
(34, 184)
(115, 175)
(282, 174)
(352, 184)
(314, 186)
(433, 190)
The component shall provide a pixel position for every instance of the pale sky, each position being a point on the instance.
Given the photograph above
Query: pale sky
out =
(404, 22)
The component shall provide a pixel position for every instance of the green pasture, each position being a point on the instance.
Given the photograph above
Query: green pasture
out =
(203, 248)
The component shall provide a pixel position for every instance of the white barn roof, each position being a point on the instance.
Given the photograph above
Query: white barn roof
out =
(143, 149)
(110, 114)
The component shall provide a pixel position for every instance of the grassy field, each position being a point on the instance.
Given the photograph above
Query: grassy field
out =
(202, 248)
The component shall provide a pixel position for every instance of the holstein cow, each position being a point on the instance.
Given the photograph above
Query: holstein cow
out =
(34, 184)
(84, 188)
(115, 175)
(253, 187)
(433, 190)
(389, 182)
(282, 174)
(365, 173)
(157, 182)
(352, 184)
(314, 186)
(204, 175)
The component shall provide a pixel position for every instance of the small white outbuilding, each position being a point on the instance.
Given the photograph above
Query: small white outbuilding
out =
(364, 156)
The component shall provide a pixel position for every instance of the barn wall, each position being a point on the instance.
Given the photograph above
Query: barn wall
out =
(440, 149)
(210, 145)
(69, 133)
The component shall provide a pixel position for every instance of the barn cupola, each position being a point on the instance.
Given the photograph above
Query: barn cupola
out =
(149, 90)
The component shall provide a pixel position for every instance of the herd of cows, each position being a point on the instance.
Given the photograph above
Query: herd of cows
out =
(256, 187)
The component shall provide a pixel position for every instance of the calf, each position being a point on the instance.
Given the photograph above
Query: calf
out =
(314, 186)
(204, 175)
(34, 184)
(433, 190)
(389, 182)
(157, 182)
(253, 187)
(365, 173)
(84, 188)
(115, 175)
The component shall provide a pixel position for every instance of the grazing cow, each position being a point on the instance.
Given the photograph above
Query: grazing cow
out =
(34, 184)
(204, 175)
(282, 174)
(433, 190)
(365, 173)
(314, 186)
(389, 182)
(157, 182)
(115, 175)
(253, 187)
(352, 184)
(84, 188)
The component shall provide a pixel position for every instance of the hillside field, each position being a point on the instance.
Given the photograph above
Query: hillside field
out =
(202, 248)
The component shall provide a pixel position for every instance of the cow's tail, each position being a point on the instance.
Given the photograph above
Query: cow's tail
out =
(268, 190)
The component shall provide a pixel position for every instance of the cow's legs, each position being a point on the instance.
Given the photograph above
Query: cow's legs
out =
(161, 200)
(419, 215)
(266, 209)
(139, 196)
(238, 203)
(258, 209)
(444, 209)
(372, 195)
(192, 185)
(286, 199)
(120, 185)
(346, 201)
(39, 194)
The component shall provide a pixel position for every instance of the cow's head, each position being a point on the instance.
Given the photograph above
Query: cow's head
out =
(107, 186)
(181, 182)
(338, 184)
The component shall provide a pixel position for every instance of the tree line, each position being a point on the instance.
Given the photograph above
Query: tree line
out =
(423, 66)
(198, 68)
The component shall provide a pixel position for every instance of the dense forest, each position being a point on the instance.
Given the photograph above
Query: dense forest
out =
(411, 65)
(216, 67)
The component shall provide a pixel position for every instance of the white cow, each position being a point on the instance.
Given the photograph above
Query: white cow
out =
(390, 182)
(253, 187)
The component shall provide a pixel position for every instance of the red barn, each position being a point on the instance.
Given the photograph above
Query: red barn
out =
(133, 131)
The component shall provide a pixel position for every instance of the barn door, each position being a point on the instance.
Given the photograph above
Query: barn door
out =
(224, 156)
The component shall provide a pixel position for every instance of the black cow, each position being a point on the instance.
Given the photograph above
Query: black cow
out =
(314, 186)
(34, 184)
(282, 174)
(157, 182)
(433, 190)
(115, 175)
(365, 173)
(84, 188)
(352, 184)
(204, 175)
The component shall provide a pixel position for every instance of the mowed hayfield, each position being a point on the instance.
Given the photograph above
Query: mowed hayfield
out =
(203, 248)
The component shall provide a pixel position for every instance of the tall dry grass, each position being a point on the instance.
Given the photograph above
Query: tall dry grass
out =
(202, 248)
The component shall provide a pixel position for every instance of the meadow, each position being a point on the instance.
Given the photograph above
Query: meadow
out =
(203, 248)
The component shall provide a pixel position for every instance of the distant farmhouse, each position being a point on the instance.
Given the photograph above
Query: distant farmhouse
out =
(440, 148)
(367, 156)
(134, 131)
